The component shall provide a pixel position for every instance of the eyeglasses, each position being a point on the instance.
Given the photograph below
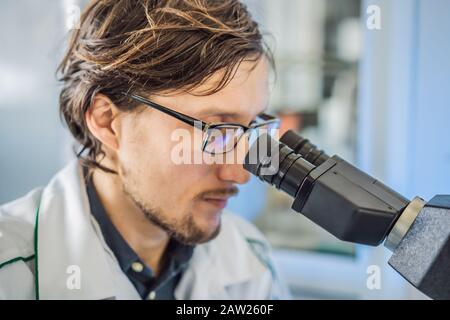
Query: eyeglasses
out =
(219, 138)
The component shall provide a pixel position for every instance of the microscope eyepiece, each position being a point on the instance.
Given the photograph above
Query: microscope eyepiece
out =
(277, 164)
(305, 148)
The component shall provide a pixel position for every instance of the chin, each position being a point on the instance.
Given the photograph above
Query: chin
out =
(210, 230)
(209, 221)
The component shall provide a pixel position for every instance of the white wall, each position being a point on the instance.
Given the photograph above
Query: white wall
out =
(404, 106)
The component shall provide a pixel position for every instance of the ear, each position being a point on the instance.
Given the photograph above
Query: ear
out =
(101, 121)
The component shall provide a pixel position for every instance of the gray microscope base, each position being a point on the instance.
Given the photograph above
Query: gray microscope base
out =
(423, 256)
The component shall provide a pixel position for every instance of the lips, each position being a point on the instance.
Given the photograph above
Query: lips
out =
(219, 198)
(219, 203)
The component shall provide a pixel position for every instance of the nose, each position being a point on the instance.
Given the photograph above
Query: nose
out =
(234, 173)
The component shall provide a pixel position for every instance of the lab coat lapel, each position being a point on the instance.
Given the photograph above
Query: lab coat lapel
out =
(67, 245)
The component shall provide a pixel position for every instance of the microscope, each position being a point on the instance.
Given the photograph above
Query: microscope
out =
(355, 207)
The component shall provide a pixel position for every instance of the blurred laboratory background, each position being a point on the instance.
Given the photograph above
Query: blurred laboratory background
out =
(377, 96)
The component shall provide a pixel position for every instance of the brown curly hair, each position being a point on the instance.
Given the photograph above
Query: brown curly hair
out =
(151, 46)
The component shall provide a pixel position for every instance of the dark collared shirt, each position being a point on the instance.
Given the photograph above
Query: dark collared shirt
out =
(148, 286)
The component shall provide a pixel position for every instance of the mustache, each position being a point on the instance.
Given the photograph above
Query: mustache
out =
(232, 191)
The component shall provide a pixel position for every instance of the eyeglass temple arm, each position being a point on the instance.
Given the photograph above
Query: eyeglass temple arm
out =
(180, 116)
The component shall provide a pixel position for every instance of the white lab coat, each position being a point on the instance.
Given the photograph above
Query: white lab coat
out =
(51, 247)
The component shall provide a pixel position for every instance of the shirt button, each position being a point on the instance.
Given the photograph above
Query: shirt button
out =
(137, 267)
(151, 295)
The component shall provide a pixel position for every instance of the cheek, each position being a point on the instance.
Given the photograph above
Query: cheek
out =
(145, 153)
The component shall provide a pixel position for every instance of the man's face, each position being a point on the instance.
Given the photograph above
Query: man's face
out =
(186, 200)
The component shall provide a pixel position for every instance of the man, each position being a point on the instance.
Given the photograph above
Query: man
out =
(127, 220)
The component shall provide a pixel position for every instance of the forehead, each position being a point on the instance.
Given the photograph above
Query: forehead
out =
(246, 95)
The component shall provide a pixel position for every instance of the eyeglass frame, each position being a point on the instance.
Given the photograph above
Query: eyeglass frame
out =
(268, 119)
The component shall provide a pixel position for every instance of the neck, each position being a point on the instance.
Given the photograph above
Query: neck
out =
(146, 239)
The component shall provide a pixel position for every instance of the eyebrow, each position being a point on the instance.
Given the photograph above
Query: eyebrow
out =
(216, 113)
(211, 112)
